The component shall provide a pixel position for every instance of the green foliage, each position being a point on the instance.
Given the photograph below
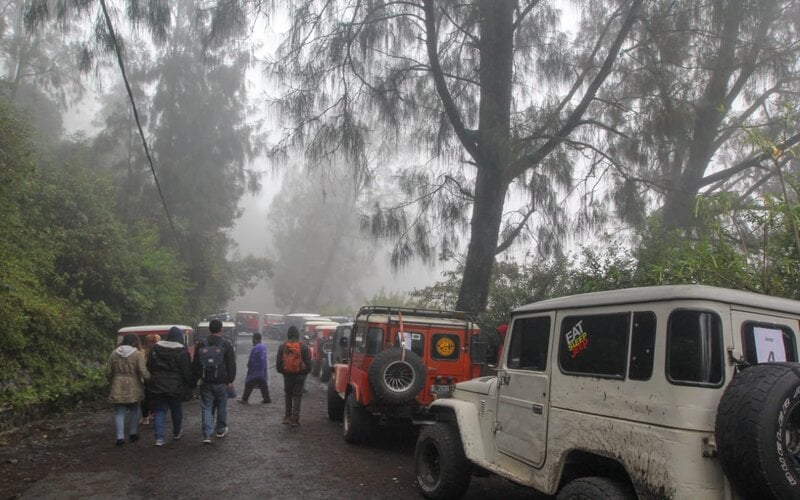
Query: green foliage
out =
(70, 271)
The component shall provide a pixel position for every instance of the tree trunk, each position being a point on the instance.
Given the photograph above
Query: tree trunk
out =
(496, 71)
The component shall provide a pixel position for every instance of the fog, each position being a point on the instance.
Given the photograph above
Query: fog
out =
(253, 236)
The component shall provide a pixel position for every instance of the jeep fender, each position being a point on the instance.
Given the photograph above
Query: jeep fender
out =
(341, 373)
(469, 427)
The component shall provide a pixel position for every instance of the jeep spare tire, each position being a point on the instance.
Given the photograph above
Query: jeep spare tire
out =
(396, 377)
(758, 431)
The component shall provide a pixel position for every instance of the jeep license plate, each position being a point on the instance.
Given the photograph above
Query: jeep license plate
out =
(442, 390)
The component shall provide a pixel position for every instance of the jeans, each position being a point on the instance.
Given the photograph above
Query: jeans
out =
(252, 384)
(132, 411)
(213, 396)
(160, 406)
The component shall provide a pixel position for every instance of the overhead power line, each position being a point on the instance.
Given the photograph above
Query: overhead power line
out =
(117, 50)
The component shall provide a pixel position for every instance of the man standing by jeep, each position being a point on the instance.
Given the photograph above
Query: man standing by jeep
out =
(215, 365)
(293, 362)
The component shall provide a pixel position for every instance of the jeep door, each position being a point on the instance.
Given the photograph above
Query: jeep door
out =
(524, 391)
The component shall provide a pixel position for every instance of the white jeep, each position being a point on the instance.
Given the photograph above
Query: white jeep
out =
(687, 392)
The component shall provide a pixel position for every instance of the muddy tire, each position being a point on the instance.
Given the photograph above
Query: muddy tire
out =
(758, 431)
(325, 371)
(335, 403)
(315, 368)
(596, 488)
(441, 467)
(358, 423)
(395, 377)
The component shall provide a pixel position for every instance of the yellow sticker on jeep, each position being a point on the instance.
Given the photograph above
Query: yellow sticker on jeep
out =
(445, 347)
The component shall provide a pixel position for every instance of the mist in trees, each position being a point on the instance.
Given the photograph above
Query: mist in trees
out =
(320, 253)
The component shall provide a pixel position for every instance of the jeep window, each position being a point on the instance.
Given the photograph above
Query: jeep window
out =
(765, 343)
(694, 348)
(643, 341)
(595, 345)
(359, 338)
(374, 340)
(530, 339)
(417, 342)
(445, 346)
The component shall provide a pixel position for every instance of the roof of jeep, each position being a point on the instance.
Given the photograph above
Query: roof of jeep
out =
(664, 293)
(418, 320)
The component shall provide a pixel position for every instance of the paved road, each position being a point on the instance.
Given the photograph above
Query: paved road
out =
(75, 457)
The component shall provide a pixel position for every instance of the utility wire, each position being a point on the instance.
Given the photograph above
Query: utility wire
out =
(135, 112)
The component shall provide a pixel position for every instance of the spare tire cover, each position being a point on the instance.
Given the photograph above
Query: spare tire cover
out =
(758, 431)
(395, 377)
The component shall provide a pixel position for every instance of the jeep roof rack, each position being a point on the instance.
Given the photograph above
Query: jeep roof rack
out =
(410, 311)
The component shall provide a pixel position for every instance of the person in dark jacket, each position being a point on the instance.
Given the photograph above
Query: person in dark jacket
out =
(214, 383)
(171, 376)
(256, 371)
(293, 380)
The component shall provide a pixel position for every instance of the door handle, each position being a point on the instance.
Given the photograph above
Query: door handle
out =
(537, 408)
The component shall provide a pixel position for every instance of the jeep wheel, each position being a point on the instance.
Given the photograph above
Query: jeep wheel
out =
(596, 488)
(358, 423)
(315, 368)
(396, 377)
(758, 431)
(335, 402)
(441, 467)
(325, 371)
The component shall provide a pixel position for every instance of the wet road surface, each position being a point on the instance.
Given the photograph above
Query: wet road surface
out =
(74, 456)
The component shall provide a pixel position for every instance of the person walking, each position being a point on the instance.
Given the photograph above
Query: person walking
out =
(293, 362)
(215, 365)
(170, 378)
(147, 405)
(126, 371)
(256, 372)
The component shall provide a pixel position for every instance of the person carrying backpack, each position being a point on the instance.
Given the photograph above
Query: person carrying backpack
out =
(215, 365)
(294, 362)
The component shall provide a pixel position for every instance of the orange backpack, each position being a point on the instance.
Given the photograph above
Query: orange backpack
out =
(292, 358)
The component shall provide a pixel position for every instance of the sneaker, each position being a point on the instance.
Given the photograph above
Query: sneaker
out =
(206, 439)
(159, 442)
(286, 420)
(243, 401)
(221, 433)
(120, 442)
(178, 435)
(266, 401)
(295, 422)
(133, 438)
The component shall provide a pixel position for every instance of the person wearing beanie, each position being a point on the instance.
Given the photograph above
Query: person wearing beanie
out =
(170, 376)
(293, 362)
(126, 371)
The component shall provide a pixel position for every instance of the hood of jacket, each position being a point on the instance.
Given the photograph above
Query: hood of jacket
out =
(125, 351)
(168, 344)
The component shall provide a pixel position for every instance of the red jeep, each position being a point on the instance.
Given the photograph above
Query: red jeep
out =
(400, 360)
(312, 329)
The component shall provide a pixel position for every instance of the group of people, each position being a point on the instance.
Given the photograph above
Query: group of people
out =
(165, 376)
(162, 376)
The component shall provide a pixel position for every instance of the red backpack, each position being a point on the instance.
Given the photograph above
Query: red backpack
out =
(292, 359)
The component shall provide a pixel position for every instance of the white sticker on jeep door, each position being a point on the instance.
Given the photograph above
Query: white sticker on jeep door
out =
(769, 345)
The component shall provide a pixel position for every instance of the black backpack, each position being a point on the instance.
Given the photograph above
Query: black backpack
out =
(212, 361)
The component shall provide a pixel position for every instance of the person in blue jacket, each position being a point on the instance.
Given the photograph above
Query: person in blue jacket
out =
(257, 372)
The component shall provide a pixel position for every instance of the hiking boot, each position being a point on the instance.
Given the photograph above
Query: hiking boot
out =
(286, 420)
(221, 433)
(159, 442)
(266, 401)
(133, 438)
(206, 439)
(243, 401)
(120, 442)
(295, 421)
(178, 435)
